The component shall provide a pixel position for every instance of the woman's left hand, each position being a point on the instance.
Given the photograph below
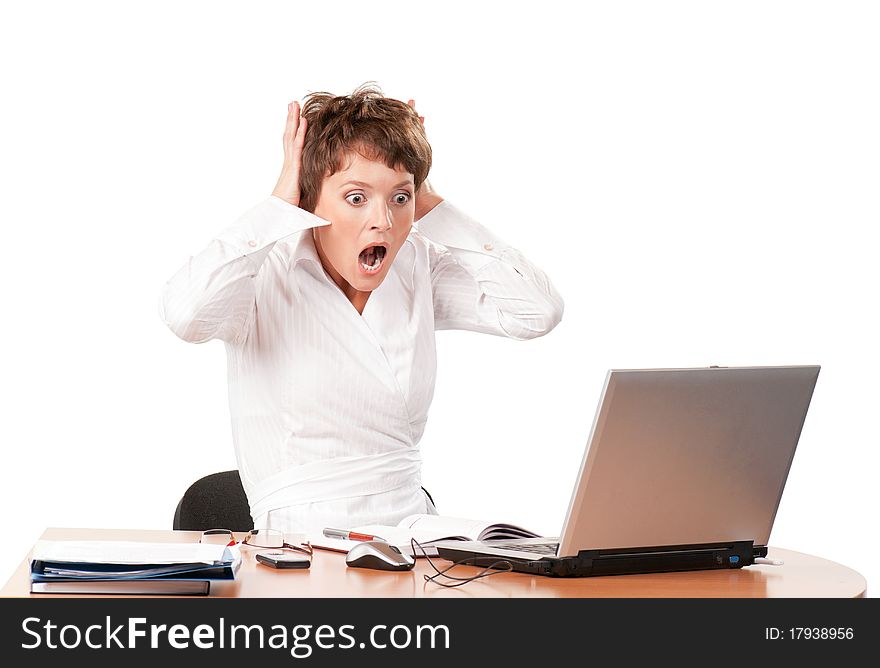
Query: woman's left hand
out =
(412, 103)
(426, 197)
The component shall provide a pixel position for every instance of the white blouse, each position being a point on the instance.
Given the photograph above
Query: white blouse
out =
(327, 405)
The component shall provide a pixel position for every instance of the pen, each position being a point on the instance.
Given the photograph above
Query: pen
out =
(349, 535)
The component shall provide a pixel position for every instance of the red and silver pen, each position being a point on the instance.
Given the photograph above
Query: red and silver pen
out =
(349, 535)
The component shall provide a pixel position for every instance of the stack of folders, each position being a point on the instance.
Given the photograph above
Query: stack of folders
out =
(132, 568)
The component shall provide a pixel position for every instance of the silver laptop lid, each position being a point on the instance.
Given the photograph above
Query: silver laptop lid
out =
(687, 456)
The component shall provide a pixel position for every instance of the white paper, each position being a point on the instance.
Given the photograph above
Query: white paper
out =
(426, 529)
(128, 552)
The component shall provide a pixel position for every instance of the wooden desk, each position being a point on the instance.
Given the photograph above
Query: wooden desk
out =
(802, 576)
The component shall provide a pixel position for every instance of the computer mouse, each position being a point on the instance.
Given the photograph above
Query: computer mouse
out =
(379, 555)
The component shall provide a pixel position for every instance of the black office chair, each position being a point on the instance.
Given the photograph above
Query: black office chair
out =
(216, 501)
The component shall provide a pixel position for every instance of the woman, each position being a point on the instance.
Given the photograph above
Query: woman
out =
(328, 296)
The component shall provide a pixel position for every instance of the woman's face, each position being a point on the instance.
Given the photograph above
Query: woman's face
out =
(371, 208)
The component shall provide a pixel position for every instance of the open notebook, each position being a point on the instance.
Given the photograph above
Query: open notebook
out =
(426, 529)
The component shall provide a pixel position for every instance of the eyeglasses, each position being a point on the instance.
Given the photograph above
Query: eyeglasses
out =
(264, 538)
(218, 537)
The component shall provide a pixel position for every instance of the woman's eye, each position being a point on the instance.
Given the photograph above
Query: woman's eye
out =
(358, 198)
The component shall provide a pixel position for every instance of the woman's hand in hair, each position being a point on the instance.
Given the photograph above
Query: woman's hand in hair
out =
(412, 103)
(426, 197)
(294, 136)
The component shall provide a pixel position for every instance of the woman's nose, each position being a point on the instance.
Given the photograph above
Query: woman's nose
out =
(381, 219)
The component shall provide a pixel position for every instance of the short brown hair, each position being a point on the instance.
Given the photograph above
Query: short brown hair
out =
(377, 127)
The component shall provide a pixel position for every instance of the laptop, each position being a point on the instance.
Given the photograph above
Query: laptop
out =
(683, 470)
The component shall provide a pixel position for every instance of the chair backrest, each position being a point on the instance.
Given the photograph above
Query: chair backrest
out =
(216, 501)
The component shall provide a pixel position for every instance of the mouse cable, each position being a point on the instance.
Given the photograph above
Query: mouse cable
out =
(492, 569)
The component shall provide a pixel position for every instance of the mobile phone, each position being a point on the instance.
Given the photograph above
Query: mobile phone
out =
(284, 559)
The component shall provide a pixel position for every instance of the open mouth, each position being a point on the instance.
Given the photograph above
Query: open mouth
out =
(371, 258)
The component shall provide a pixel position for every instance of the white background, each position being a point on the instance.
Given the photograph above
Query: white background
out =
(700, 181)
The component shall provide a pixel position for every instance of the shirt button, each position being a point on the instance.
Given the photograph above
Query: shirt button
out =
(488, 247)
(252, 244)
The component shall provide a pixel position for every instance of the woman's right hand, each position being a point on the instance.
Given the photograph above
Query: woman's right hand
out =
(287, 187)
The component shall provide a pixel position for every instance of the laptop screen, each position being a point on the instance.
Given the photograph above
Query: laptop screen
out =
(687, 456)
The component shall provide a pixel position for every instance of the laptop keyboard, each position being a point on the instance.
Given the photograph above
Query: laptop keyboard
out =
(536, 548)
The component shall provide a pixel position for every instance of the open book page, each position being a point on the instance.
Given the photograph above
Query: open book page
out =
(450, 528)
(427, 529)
